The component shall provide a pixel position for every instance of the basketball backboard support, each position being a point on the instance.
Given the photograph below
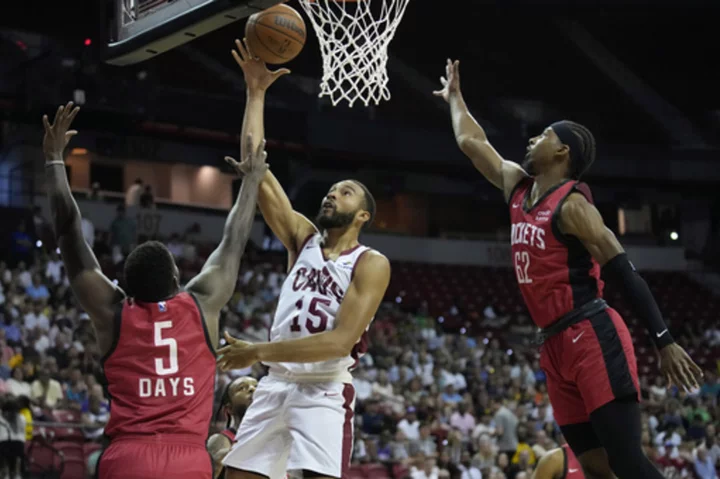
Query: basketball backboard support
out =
(143, 29)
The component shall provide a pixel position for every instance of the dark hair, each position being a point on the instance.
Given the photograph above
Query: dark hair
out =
(581, 162)
(11, 413)
(149, 272)
(370, 204)
(23, 402)
(225, 401)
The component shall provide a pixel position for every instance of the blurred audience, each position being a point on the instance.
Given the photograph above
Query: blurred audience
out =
(431, 401)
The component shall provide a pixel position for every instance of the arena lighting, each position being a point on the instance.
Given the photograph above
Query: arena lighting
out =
(87, 42)
(79, 96)
(206, 175)
(38, 243)
(79, 151)
(674, 236)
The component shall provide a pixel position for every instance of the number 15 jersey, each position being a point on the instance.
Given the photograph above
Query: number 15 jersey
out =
(555, 272)
(309, 302)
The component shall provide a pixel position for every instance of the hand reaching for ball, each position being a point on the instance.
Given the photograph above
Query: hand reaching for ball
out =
(257, 75)
(451, 80)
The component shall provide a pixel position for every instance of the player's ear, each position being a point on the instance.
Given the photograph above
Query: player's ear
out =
(363, 216)
(563, 150)
(176, 279)
(562, 153)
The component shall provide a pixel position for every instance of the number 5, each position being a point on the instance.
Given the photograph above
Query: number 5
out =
(172, 344)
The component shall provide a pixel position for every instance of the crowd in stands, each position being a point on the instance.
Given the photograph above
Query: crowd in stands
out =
(431, 403)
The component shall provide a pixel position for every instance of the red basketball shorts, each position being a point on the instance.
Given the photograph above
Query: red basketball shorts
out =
(138, 459)
(588, 365)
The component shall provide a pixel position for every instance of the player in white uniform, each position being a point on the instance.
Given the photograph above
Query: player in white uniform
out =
(301, 416)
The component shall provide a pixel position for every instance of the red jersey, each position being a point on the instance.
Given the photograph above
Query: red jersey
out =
(573, 469)
(555, 272)
(161, 370)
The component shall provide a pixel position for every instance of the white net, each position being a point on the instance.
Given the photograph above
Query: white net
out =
(354, 38)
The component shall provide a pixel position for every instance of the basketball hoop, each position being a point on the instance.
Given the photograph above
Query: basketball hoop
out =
(354, 36)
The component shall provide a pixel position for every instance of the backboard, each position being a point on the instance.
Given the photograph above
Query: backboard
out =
(143, 29)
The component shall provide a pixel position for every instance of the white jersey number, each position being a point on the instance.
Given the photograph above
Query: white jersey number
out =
(160, 368)
(317, 320)
(522, 263)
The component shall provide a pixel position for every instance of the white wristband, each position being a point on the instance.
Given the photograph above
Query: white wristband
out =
(55, 162)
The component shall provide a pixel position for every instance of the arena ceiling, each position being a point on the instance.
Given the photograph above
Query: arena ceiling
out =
(521, 64)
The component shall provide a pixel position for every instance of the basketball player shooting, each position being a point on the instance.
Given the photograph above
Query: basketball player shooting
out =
(236, 398)
(560, 463)
(559, 244)
(301, 417)
(158, 342)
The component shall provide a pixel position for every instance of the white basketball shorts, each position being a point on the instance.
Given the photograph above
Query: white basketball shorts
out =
(296, 426)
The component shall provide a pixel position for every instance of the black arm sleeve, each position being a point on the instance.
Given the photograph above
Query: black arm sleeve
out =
(640, 298)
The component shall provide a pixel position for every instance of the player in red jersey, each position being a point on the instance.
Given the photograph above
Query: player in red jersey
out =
(559, 244)
(559, 463)
(236, 398)
(158, 342)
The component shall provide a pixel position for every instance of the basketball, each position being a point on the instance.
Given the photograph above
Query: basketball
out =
(276, 35)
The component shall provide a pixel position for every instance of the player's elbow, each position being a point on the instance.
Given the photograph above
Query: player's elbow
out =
(465, 141)
(339, 346)
(343, 349)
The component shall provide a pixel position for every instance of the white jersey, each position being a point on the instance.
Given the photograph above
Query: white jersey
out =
(309, 301)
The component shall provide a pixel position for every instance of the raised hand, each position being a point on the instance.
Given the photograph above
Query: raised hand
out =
(253, 163)
(678, 368)
(257, 75)
(57, 136)
(451, 80)
(237, 354)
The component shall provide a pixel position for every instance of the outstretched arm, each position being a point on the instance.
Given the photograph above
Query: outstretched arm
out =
(471, 137)
(289, 226)
(579, 218)
(215, 284)
(358, 307)
(94, 291)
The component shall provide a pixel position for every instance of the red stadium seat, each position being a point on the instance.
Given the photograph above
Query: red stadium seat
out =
(65, 433)
(74, 469)
(400, 472)
(43, 459)
(70, 449)
(355, 472)
(376, 471)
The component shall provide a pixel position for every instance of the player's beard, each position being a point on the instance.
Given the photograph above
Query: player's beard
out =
(529, 166)
(336, 220)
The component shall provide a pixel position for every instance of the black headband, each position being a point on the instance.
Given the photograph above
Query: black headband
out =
(567, 137)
